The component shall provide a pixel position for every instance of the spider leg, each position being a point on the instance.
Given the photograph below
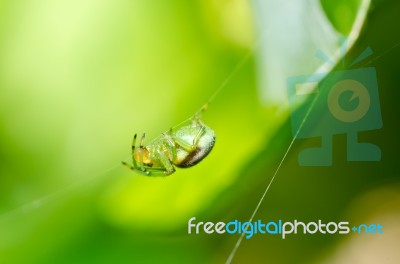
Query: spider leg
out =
(191, 147)
(134, 167)
(198, 135)
(167, 164)
(170, 145)
(200, 112)
(155, 172)
(142, 140)
(197, 122)
(140, 151)
(133, 151)
(145, 172)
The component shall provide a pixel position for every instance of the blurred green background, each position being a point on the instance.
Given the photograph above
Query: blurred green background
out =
(79, 78)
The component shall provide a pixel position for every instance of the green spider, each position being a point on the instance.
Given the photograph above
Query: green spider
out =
(182, 148)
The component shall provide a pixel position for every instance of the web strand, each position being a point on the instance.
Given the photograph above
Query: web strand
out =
(239, 241)
(37, 203)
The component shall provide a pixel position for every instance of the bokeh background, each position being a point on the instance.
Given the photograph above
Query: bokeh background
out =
(79, 78)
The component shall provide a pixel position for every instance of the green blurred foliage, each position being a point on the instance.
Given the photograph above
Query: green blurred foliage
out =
(79, 78)
(341, 13)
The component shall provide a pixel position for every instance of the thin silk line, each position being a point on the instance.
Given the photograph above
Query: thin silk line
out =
(37, 203)
(239, 241)
(233, 252)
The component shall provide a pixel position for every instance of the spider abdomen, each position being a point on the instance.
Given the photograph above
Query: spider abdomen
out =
(187, 158)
